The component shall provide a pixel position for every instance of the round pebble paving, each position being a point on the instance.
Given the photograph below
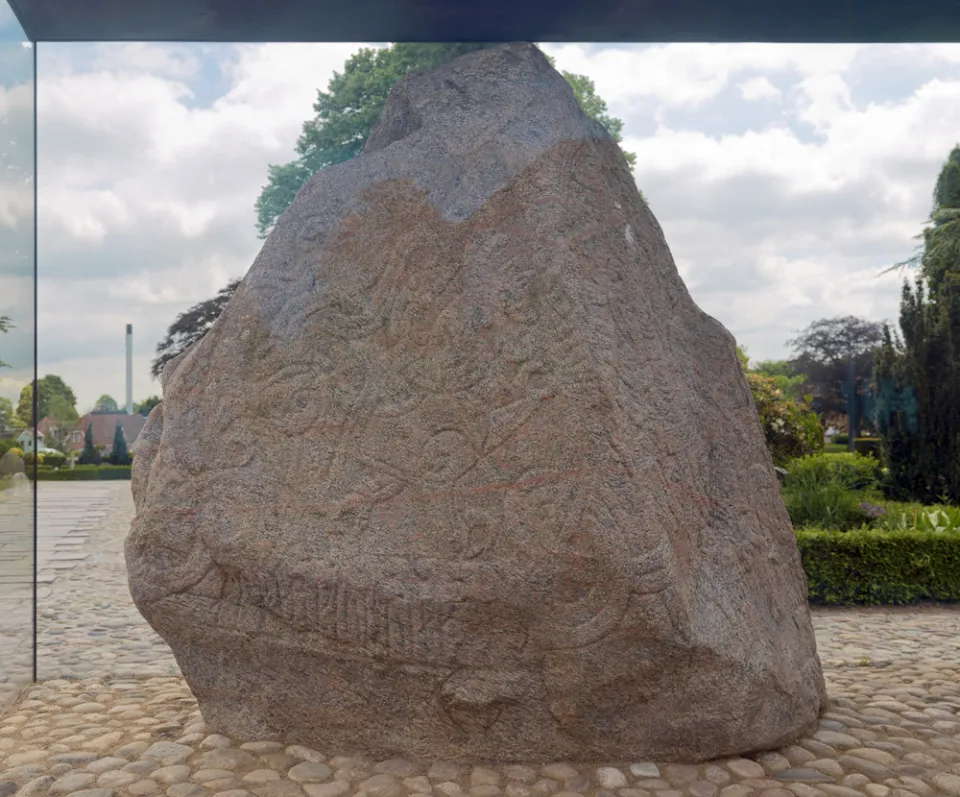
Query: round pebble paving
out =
(113, 717)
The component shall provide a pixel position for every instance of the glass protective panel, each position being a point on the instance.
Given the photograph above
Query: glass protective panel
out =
(17, 350)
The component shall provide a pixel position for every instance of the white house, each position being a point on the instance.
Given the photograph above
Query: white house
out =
(26, 443)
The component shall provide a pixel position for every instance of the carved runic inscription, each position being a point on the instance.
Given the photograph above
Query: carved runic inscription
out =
(380, 624)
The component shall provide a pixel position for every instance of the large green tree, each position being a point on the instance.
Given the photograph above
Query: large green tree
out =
(918, 371)
(347, 111)
(143, 407)
(23, 417)
(120, 454)
(6, 412)
(106, 403)
(826, 351)
(89, 455)
(55, 399)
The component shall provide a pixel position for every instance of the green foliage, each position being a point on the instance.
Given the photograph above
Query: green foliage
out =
(594, 106)
(6, 412)
(824, 352)
(791, 428)
(918, 371)
(7, 444)
(941, 238)
(89, 455)
(348, 110)
(826, 490)
(24, 415)
(144, 407)
(841, 439)
(743, 357)
(784, 375)
(54, 460)
(880, 567)
(84, 473)
(119, 455)
(190, 326)
(106, 404)
(55, 399)
(852, 471)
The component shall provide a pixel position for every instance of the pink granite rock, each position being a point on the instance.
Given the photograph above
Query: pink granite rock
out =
(463, 472)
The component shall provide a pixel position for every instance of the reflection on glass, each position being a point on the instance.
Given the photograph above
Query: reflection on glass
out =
(17, 356)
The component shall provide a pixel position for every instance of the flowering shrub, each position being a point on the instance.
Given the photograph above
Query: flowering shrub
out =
(792, 428)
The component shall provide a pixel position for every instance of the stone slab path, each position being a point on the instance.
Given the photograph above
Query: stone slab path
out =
(113, 717)
(67, 514)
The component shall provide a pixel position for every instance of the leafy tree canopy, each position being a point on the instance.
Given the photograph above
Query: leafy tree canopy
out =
(190, 326)
(348, 110)
(106, 404)
(824, 352)
(144, 407)
(918, 371)
(55, 399)
(6, 412)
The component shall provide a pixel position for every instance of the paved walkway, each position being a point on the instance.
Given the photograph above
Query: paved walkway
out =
(87, 623)
(115, 718)
(67, 514)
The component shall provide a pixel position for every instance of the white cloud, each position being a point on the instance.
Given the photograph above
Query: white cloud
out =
(759, 88)
(690, 74)
(778, 213)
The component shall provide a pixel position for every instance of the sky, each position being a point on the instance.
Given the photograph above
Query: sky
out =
(785, 177)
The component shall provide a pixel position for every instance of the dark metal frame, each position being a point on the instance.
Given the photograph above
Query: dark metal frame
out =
(490, 20)
(466, 20)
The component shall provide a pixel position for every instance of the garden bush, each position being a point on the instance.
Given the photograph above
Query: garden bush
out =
(54, 460)
(870, 566)
(7, 443)
(827, 490)
(84, 473)
(840, 439)
(853, 471)
(791, 428)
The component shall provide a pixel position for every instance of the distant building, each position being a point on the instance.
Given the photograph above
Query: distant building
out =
(25, 439)
(104, 428)
(48, 427)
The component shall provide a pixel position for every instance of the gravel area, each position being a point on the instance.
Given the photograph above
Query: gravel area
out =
(112, 716)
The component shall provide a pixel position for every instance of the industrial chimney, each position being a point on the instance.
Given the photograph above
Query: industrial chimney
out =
(129, 369)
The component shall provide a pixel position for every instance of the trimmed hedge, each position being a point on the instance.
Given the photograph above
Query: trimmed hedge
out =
(880, 567)
(82, 473)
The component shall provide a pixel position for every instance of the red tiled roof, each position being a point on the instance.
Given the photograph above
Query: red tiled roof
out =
(47, 425)
(105, 427)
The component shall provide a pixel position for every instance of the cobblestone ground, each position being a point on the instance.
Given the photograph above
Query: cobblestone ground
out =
(114, 718)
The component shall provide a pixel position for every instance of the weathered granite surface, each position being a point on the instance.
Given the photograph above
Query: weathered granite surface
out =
(463, 471)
